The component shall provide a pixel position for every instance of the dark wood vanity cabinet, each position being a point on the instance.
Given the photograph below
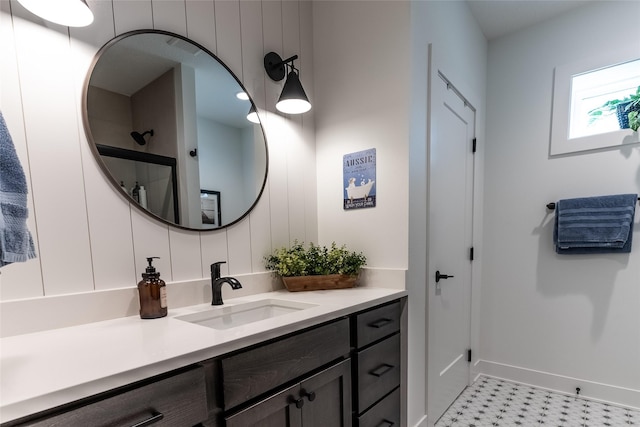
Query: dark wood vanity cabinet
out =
(337, 374)
(360, 387)
(301, 380)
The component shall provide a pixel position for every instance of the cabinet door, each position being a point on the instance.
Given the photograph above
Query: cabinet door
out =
(327, 397)
(278, 410)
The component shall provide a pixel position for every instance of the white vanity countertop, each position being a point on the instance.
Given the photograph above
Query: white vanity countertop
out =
(43, 370)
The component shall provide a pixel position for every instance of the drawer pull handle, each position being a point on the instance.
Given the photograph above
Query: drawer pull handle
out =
(155, 416)
(381, 370)
(386, 423)
(309, 395)
(380, 322)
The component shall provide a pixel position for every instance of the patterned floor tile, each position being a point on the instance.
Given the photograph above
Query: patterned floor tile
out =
(494, 402)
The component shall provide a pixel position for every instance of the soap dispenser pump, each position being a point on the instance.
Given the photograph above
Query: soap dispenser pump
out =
(153, 293)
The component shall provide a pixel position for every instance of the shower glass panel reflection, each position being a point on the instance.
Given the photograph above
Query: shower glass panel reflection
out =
(156, 173)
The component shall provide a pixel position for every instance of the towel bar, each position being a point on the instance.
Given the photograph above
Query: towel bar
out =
(552, 206)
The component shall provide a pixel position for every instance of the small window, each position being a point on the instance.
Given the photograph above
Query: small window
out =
(595, 96)
(585, 116)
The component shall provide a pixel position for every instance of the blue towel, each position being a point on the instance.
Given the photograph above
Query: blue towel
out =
(16, 244)
(595, 224)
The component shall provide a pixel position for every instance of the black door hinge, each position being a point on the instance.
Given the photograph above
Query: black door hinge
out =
(471, 254)
(469, 355)
(474, 145)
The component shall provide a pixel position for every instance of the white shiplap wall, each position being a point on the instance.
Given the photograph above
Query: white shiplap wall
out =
(87, 236)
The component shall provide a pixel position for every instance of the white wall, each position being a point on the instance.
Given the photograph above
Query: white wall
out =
(88, 237)
(362, 69)
(371, 74)
(371, 68)
(362, 101)
(552, 320)
(187, 136)
(221, 149)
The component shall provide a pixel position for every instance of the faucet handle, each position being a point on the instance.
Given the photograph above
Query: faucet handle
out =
(215, 269)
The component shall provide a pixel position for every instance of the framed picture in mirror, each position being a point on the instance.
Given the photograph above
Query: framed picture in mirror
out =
(210, 208)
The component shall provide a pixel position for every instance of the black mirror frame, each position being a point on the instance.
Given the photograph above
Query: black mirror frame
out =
(94, 148)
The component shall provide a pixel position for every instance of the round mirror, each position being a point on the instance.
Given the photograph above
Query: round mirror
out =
(168, 123)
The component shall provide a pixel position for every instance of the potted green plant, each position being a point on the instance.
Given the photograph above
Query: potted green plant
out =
(634, 118)
(627, 110)
(316, 267)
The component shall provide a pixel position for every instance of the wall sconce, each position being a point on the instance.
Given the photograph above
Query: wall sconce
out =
(293, 99)
(70, 13)
(253, 115)
(139, 137)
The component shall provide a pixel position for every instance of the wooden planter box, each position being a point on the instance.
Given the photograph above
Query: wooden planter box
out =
(314, 283)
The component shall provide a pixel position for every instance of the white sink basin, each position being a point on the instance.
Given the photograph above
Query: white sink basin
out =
(225, 317)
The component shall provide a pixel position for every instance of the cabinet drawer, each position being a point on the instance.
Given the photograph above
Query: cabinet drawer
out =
(253, 372)
(378, 371)
(377, 323)
(386, 413)
(179, 400)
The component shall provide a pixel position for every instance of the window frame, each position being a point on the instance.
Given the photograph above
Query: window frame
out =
(561, 113)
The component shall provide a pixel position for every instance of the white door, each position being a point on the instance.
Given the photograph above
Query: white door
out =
(450, 241)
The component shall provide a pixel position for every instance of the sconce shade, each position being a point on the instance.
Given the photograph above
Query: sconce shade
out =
(70, 13)
(253, 115)
(293, 99)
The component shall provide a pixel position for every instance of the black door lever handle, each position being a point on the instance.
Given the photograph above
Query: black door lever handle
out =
(441, 276)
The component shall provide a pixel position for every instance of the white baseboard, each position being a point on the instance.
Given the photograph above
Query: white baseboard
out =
(605, 393)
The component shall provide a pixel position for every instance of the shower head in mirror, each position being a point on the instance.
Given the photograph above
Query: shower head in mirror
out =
(139, 137)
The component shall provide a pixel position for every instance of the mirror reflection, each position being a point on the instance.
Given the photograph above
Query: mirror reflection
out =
(168, 124)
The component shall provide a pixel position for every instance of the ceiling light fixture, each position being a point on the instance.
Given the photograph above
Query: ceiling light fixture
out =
(242, 95)
(293, 99)
(70, 13)
(253, 115)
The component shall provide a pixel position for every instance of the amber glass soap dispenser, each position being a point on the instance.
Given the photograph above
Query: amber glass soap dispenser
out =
(153, 293)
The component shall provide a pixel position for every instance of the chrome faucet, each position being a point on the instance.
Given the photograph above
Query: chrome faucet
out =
(217, 282)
